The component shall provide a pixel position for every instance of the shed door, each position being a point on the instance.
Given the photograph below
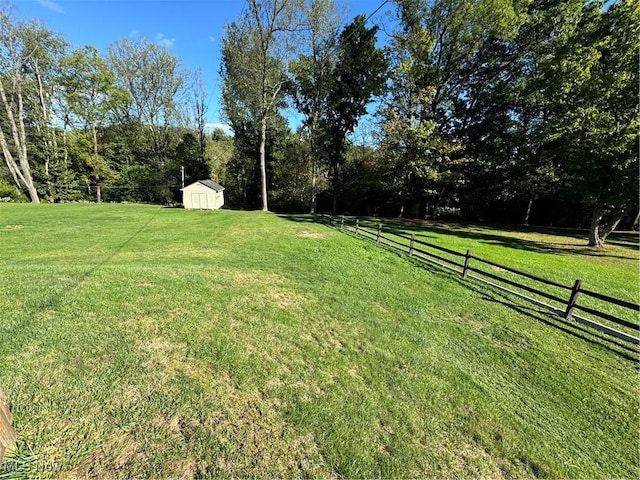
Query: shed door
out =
(199, 200)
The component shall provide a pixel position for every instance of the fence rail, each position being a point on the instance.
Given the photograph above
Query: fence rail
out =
(566, 306)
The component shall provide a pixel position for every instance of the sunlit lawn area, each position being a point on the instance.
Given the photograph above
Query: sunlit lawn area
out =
(139, 341)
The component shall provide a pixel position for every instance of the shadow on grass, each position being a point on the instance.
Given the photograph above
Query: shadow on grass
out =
(484, 233)
(300, 218)
(623, 350)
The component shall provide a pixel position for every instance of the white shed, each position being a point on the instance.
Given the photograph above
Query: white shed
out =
(203, 195)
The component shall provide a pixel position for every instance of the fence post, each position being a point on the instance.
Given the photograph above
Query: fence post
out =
(7, 433)
(413, 239)
(379, 233)
(467, 258)
(331, 220)
(357, 225)
(342, 223)
(573, 299)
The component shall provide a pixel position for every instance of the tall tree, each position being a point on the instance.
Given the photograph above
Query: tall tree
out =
(26, 51)
(313, 77)
(93, 99)
(257, 51)
(200, 107)
(358, 76)
(154, 79)
(592, 85)
(435, 42)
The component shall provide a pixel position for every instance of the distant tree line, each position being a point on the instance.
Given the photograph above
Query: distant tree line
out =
(76, 125)
(521, 111)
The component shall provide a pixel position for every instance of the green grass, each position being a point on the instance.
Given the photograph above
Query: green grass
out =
(560, 255)
(139, 341)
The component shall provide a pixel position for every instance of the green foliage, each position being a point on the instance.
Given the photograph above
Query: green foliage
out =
(189, 156)
(358, 76)
(514, 110)
(291, 175)
(219, 151)
(9, 193)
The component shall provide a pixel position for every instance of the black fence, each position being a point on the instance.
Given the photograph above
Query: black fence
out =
(564, 298)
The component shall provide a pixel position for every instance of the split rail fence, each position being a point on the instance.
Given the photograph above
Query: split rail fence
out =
(469, 266)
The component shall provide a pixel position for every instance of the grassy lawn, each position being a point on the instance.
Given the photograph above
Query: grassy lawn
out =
(560, 255)
(139, 341)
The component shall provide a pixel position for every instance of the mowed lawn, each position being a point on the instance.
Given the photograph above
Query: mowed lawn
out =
(139, 341)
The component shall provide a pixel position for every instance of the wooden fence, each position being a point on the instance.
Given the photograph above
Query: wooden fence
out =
(7, 435)
(565, 306)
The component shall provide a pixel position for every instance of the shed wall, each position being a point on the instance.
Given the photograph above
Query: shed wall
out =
(201, 197)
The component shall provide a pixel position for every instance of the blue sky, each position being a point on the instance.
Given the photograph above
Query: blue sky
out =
(190, 29)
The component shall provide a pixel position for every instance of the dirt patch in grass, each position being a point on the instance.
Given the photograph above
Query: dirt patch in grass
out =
(270, 289)
(305, 234)
(243, 427)
(146, 324)
(269, 447)
(162, 346)
(283, 298)
(256, 278)
(461, 459)
(121, 453)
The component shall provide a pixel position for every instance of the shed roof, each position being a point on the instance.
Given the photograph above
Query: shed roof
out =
(211, 184)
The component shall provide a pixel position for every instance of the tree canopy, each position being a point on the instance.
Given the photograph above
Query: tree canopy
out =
(519, 111)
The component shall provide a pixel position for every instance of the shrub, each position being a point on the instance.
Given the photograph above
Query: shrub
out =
(9, 193)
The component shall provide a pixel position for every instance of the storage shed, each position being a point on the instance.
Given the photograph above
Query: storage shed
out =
(203, 195)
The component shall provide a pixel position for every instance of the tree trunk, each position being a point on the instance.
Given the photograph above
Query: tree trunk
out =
(263, 162)
(599, 231)
(314, 169)
(244, 188)
(636, 222)
(45, 130)
(436, 206)
(594, 230)
(23, 171)
(334, 194)
(314, 181)
(96, 164)
(526, 216)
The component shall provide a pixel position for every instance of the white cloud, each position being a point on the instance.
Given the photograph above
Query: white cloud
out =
(134, 33)
(218, 126)
(51, 5)
(164, 41)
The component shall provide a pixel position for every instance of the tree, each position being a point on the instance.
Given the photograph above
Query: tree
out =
(431, 54)
(92, 98)
(154, 80)
(591, 86)
(312, 78)
(219, 152)
(359, 74)
(189, 155)
(257, 51)
(200, 107)
(26, 51)
(602, 130)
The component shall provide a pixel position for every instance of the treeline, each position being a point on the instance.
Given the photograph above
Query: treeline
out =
(501, 110)
(77, 125)
(520, 111)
